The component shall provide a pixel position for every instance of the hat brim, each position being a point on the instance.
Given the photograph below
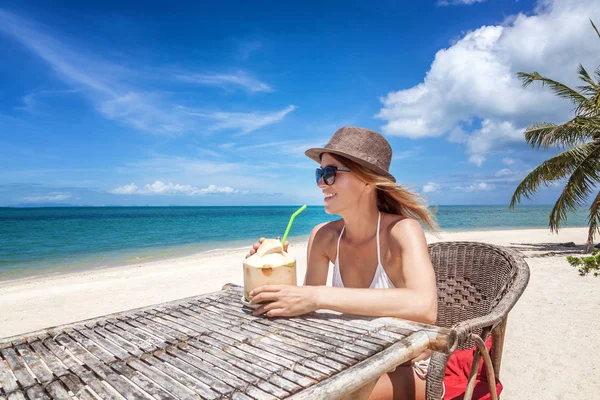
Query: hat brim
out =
(315, 154)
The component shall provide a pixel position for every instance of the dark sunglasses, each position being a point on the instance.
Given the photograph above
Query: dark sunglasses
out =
(328, 174)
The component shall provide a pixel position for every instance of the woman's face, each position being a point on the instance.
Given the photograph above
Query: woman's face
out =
(346, 191)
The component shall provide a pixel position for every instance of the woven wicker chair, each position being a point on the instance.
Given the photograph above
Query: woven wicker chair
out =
(478, 284)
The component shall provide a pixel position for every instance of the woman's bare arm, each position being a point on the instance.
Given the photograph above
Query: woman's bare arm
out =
(317, 262)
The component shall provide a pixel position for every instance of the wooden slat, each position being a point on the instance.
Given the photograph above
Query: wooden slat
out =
(340, 342)
(254, 368)
(169, 384)
(16, 396)
(293, 340)
(117, 382)
(368, 370)
(370, 347)
(297, 354)
(17, 365)
(341, 347)
(269, 364)
(193, 328)
(158, 327)
(145, 328)
(121, 342)
(36, 392)
(143, 343)
(76, 386)
(200, 383)
(244, 371)
(102, 343)
(7, 381)
(216, 326)
(340, 326)
(181, 326)
(142, 381)
(216, 385)
(49, 359)
(57, 391)
(87, 377)
(34, 363)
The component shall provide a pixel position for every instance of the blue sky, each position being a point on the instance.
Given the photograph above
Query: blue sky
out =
(198, 103)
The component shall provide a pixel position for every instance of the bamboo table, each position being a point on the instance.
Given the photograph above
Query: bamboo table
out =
(209, 347)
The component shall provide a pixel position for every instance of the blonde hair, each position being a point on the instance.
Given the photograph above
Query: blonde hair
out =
(393, 198)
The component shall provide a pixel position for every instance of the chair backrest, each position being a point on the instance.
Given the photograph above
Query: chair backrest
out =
(471, 278)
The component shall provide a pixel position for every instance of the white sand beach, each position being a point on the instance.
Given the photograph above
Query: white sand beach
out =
(552, 346)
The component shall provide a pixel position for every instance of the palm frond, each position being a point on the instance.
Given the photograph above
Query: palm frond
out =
(585, 76)
(592, 90)
(558, 88)
(578, 187)
(580, 129)
(553, 169)
(596, 29)
(594, 219)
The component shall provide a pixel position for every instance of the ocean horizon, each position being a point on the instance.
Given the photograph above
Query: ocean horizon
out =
(48, 240)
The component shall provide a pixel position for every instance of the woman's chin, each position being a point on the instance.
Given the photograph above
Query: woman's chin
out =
(329, 209)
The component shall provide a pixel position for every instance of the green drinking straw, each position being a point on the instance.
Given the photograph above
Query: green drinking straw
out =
(289, 226)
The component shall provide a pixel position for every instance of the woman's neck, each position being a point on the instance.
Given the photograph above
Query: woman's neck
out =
(361, 225)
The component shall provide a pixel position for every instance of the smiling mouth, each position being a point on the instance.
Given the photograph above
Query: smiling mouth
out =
(330, 196)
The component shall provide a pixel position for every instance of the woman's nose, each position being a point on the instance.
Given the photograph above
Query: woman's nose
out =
(321, 183)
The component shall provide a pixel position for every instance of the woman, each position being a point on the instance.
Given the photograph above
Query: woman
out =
(378, 248)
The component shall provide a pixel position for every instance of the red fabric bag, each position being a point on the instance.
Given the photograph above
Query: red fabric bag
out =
(457, 375)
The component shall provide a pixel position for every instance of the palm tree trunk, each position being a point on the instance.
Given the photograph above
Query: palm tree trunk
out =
(590, 241)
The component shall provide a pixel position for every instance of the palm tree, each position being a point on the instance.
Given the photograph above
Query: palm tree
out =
(579, 162)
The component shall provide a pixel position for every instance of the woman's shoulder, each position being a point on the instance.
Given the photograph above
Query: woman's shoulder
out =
(327, 233)
(399, 227)
(328, 229)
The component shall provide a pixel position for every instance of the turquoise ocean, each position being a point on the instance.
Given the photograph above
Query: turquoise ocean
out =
(36, 241)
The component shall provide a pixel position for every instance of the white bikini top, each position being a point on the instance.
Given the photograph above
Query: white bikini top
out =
(380, 281)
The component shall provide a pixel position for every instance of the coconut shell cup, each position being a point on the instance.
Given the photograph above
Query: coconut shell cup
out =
(270, 265)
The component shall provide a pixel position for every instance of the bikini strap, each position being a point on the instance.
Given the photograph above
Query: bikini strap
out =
(337, 252)
(378, 254)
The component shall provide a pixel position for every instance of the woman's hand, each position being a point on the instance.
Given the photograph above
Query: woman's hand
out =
(256, 245)
(285, 300)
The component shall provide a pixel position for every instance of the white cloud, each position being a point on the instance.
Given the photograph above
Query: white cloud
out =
(243, 122)
(477, 159)
(508, 161)
(504, 172)
(48, 198)
(475, 187)
(431, 187)
(493, 135)
(108, 86)
(476, 78)
(31, 100)
(161, 188)
(125, 189)
(480, 187)
(458, 2)
(406, 153)
(226, 81)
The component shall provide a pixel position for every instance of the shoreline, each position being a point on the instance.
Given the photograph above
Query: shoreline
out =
(124, 258)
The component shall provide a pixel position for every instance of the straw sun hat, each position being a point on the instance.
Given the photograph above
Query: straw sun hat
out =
(363, 146)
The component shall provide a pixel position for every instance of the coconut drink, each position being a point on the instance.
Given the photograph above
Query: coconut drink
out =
(270, 265)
